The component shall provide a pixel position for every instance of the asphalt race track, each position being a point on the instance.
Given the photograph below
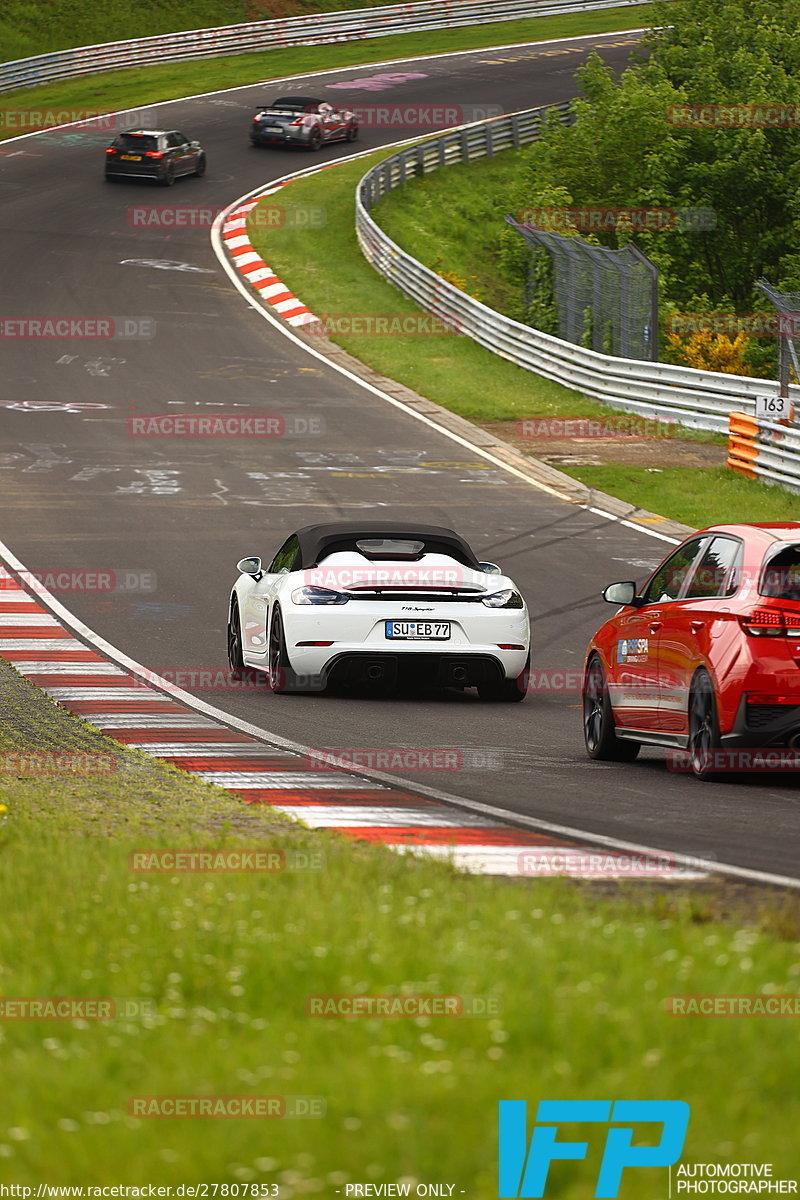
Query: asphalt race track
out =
(79, 492)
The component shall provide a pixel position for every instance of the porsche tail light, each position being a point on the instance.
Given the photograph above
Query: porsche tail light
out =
(318, 595)
(154, 153)
(508, 598)
(770, 622)
(111, 150)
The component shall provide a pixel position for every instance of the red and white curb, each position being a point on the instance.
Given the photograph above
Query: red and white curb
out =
(135, 713)
(250, 264)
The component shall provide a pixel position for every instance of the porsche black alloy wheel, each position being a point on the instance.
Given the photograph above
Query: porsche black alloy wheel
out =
(281, 676)
(235, 658)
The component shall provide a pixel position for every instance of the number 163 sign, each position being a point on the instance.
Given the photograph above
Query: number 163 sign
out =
(773, 408)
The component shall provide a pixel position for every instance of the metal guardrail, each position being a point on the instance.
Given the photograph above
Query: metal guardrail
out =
(662, 391)
(348, 25)
(765, 449)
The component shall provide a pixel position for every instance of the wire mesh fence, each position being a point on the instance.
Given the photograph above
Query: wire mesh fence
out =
(605, 300)
(787, 304)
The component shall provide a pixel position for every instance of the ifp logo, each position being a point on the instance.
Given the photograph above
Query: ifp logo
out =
(524, 1169)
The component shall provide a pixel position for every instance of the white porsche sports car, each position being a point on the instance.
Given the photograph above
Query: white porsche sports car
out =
(379, 603)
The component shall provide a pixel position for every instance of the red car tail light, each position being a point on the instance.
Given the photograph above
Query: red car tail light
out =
(771, 698)
(154, 153)
(770, 622)
(111, 150)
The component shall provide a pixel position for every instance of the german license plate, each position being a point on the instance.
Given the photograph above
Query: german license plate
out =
(131, 157)
(418, 631)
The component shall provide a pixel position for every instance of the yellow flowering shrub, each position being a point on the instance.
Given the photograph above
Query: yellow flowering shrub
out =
(712, 352)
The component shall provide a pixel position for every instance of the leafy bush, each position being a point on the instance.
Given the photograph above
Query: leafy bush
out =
(629, 149)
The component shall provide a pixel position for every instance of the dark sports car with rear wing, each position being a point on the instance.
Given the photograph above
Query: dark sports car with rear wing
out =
(302, 121)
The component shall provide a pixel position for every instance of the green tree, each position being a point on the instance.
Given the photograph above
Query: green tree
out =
(628, 148)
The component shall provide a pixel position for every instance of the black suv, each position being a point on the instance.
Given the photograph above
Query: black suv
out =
(155, 154)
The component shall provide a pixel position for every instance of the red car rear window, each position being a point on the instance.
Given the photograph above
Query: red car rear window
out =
(781, 575)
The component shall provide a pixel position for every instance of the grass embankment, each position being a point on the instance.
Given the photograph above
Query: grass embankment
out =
(228, 960)
(454, 371)
(26, 29)
(137, 87)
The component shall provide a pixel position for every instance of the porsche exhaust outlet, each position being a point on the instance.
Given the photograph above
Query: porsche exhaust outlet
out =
(375, 671)
(459, 674)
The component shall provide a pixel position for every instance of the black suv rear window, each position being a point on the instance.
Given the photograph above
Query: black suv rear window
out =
(140, 142)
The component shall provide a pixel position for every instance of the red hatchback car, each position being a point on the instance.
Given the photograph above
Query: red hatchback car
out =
(706, 656)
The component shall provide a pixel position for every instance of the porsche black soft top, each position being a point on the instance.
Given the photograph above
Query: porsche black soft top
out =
(316, 540)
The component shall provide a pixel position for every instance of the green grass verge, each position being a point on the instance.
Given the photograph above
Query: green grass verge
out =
(336, 280)
(454, 371)
(696, 496)
(453, 220)
(136, 87)
(227, 961)
(26, 29)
